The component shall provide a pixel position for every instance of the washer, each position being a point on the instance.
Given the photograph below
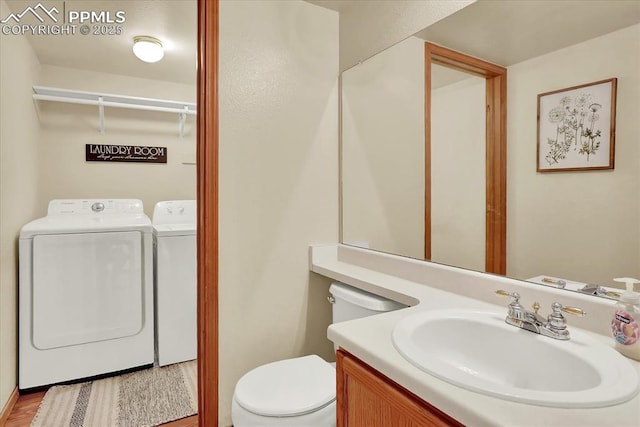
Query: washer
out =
(86, 291)
(174, 227)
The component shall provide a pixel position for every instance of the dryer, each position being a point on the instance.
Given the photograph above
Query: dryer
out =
(85, 291)
(174, 227)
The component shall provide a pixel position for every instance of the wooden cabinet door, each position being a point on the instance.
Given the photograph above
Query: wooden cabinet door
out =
(366, 398)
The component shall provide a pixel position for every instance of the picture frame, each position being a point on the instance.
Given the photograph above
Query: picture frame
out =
(576, 127)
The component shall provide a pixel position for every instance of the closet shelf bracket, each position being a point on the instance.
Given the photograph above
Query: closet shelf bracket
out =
(101, 114)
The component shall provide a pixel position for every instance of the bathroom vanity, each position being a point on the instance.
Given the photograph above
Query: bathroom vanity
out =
(367, 398)
(377, 383)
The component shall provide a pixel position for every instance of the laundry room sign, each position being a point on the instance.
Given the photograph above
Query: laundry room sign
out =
(125, 153)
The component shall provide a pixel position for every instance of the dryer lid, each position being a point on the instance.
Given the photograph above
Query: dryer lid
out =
(167, 230)
(175, 212)
(288, 387)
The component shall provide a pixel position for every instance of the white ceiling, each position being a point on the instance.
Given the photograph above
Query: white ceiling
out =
(504, 32)
(172, 21)
(509, 32)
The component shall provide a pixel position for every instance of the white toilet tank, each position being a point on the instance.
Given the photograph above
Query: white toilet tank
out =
(352, 303)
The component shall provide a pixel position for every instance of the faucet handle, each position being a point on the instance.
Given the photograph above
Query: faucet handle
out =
(516, 310)
(556, 321)
(556, 307)
(514, 295)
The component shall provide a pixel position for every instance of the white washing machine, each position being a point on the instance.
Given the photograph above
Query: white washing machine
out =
(174, 228)
(86, 291)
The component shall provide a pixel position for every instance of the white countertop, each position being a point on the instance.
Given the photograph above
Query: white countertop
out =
(369, 339)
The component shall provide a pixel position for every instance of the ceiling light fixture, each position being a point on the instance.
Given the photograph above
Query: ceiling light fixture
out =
(148, 49)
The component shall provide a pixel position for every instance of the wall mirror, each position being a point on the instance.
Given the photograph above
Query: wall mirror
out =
(577, 226)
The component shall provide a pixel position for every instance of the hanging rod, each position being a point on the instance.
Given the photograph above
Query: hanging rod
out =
(117, 101)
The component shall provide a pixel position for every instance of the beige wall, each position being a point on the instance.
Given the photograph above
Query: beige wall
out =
(278, 182)
(580, 225)
(66, 128)
(383, 151)
(19, 136)
(387, 22)
(458, 202)
(383, 158)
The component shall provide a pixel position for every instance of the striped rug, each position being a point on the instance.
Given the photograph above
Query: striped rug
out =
(143, 398)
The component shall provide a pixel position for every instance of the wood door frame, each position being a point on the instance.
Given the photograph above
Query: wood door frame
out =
(207, 193)
(496, 150)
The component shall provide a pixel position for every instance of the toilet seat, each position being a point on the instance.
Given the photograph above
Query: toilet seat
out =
(287, 388)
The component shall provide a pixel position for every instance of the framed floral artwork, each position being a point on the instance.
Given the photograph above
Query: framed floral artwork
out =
(576, 127)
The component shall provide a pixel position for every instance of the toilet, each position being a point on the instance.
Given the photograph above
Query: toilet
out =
(301, 391)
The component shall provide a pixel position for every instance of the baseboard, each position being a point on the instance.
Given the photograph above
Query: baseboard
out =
(6, 411)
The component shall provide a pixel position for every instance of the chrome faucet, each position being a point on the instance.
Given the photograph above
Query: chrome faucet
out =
(554, 326)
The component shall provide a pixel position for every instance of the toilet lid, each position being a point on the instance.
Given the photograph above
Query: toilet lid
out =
(288, 387)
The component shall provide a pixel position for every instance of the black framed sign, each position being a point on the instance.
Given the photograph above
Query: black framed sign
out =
(125, 153)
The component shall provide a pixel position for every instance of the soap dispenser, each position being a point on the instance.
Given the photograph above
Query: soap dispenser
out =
(624, 325)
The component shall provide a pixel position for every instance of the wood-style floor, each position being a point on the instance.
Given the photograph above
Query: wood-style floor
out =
(27, 405)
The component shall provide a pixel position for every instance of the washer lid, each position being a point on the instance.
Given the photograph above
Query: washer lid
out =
(288, 387)
(94, 223)
(89, 216)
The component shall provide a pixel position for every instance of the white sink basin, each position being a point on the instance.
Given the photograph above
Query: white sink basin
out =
(480, 352)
